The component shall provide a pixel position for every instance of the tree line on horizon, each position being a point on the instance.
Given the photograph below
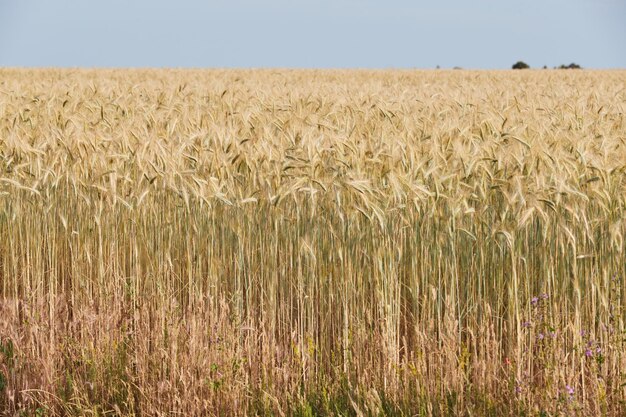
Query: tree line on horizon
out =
(523, 65)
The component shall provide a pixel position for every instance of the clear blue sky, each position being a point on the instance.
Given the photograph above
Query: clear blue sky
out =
(306, 33)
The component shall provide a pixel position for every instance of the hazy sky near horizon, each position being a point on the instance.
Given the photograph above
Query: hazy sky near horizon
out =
(319, 34)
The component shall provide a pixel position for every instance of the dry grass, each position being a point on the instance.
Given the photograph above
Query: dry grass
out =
(312, 243)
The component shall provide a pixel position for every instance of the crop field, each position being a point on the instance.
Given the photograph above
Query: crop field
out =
(312, 242)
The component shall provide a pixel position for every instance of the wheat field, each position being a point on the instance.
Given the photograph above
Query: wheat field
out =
(319, 242)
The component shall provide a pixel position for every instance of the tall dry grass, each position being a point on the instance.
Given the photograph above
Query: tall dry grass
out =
(312, 242)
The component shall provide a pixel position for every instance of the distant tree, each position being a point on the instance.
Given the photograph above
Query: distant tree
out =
(457, 68)
(545, 67)
(520, 65)
(570, 66)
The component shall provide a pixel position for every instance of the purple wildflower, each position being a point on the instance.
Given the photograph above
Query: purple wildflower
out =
(540, 336)
(534, 301)
(588, 353)
(570, 390)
